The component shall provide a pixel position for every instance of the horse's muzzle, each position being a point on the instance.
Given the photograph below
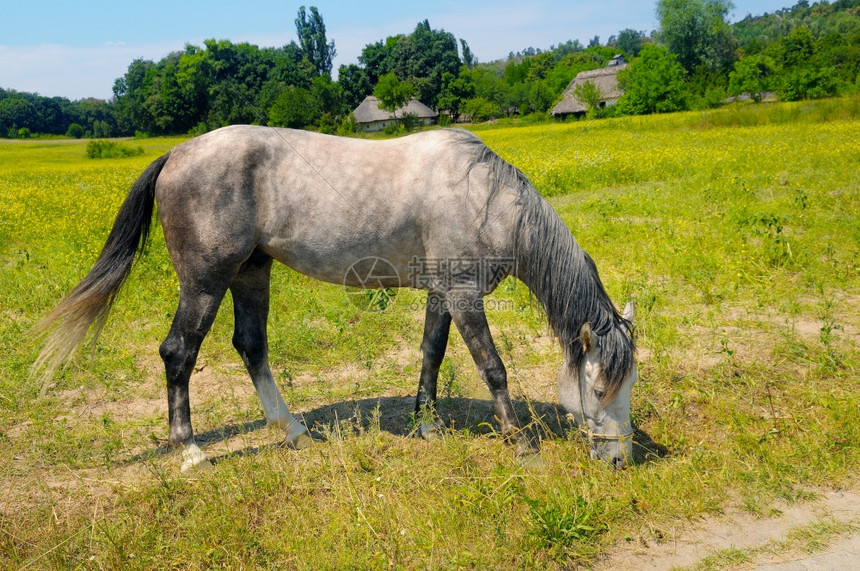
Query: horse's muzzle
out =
(618, 453)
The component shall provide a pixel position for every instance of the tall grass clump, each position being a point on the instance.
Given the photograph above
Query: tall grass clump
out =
(102, 149)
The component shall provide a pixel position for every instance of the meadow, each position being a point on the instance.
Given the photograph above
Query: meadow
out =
(735, 232)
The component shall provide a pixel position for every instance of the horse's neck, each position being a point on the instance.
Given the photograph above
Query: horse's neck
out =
(561, 275)
(556, 270)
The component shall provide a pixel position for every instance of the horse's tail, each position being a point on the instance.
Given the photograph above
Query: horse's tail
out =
(89, 303)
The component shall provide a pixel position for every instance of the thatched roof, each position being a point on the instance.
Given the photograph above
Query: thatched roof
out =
(604, 79)
(368, 111)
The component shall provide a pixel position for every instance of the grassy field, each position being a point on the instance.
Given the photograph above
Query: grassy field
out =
(735, 231)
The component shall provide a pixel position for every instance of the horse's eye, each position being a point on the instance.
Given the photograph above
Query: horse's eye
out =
(599, 394)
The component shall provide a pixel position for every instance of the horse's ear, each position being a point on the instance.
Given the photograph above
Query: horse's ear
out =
(628, 312)
(585, 337)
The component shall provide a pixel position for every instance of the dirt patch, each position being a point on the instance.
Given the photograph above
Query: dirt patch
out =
(98, 402)
(691, 542)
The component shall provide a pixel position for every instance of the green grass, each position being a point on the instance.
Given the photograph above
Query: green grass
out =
(735, 231)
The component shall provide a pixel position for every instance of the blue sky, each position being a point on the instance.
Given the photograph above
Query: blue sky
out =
(61, 48)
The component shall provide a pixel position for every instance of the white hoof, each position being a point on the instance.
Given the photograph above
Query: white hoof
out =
(297, 436)
(193, 457)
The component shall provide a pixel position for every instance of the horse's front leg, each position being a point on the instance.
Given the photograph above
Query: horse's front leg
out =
(437, 326)
(471, 321)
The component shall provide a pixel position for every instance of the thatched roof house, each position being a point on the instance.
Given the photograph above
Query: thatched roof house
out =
(371, 118)
(604, 79)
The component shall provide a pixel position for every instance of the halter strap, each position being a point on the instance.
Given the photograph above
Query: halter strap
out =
(587, 428)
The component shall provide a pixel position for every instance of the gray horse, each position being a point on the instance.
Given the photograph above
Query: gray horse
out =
(443, 212)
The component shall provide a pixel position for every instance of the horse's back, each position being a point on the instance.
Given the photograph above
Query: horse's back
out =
(319, 203)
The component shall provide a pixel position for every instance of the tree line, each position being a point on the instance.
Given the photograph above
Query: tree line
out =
(694, 60)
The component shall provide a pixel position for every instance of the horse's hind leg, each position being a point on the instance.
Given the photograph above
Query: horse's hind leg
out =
(250, 289)
(437, 326)
(198, 305)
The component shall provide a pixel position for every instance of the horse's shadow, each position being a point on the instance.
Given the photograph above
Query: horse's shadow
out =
(395, 415)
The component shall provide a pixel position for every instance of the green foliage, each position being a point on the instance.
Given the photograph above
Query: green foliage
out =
(223, 83)
(456, 91)
(100, 149)
(313, 42)
(348, 126)
(392, 93)
(101, 129)
(815, 47)
(797, 48)
(540, 97)
(754, 75)
(589, 94)
(295, 108)
(697, 32)
(479, 109)
(630, 42)
(561, 523)
(806, 83)
(653, 83)
(420, 59)
(75, 131)
(354, 83)
(14, 113)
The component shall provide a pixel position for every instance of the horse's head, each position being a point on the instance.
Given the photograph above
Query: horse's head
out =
(603, 412)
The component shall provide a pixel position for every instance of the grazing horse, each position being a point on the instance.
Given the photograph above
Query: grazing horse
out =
(233, 200)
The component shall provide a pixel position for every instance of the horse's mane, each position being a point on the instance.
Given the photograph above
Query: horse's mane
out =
(560, 274)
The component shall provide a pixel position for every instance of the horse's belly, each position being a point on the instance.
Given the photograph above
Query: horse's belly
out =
(370, 262)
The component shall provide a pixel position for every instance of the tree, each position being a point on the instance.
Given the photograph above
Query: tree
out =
(697, 32)
(355, 84)
(392, 93)
(804, 75)
(294, 108)
(491, 87)
(101, 130)
(421, 58)
(653, 83)
(479, 109)
(469, 58)
(753, 75)
(15, 112)
(630, 42)
(456, 91)
(540, 97)
(567, 48)
(589, 94)
(129, 94)
(328, 96)
(312, 39)
(75, 131)
(797, 48)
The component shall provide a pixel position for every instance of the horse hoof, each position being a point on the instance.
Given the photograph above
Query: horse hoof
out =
(193, 459)
(431, 430)
(299, 442)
